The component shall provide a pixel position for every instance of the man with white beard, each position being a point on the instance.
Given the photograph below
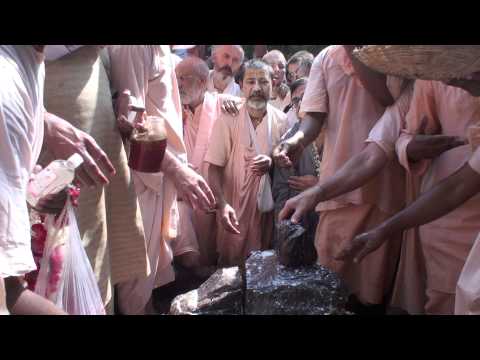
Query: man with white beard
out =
(227, 60)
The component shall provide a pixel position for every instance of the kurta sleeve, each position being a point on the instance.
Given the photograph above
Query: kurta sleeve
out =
(422, 109)
(315, 99)
(388, 129)
(220, 146)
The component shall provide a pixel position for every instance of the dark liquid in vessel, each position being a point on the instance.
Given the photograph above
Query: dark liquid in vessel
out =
(147, 156)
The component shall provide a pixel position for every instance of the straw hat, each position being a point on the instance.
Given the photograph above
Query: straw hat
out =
(428, 62)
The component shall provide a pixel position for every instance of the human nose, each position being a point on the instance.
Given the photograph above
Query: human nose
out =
(256, 86)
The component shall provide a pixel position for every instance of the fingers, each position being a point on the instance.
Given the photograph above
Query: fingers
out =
(230, 222)
(52, 204)
(201, 200)
(92, 171)
(298, 214)
(209, 194)
(84, 179)
(351, 249)
(286, 212)
(101, 158)
(230, 107)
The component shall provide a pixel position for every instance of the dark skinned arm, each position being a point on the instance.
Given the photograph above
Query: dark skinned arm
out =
(374, 82)
(439, 201)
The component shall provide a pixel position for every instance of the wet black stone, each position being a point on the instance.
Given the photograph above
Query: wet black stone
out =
(295, 245)
(273, 289)
(221, 294)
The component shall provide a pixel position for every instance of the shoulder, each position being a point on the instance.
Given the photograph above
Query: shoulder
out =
(277, 114)
(328, 55)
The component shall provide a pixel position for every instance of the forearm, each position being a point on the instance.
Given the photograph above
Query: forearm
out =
(374, 82)
(215, 180)
(310, 128)
(441, 200)
(355, 173)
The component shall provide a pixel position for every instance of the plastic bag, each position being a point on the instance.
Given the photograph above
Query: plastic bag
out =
(264, 196)
(66, 277)
(295, 246)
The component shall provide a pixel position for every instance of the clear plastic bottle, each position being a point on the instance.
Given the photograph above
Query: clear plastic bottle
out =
(53, 179)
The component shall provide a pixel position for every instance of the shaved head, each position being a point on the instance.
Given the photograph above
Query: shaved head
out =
(192, 75)
(274, 56)
(215, 48)
(193, 65)
(278, 62)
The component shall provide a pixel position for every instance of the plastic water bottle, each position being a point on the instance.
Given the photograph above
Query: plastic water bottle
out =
(53, 179)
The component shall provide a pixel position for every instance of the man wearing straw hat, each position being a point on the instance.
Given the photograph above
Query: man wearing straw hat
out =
(348, 99)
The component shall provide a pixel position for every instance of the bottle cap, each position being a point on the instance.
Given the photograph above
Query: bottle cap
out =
(75, 160)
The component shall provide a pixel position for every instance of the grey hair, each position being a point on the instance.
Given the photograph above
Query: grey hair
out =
(258, 64)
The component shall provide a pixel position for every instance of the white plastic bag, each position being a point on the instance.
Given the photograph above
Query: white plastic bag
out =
(66, 277)
(264, 196)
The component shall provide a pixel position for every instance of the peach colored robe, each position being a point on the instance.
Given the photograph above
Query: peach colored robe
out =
(22, 75)
(445, 242)
(409, 288)
(148, 72)
(197, 229)
(467, 297)
(352, 112)
(231, 147)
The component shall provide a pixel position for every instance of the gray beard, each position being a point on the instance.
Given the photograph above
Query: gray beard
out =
(257, 105)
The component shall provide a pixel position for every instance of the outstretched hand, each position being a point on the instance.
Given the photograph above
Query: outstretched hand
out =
(287, 153)
(297, 207)
(63, 140)
(361, 246)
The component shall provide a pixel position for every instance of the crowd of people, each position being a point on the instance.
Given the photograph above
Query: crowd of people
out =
(380, 170)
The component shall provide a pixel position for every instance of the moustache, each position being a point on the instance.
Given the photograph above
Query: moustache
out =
(258, 95)
(226, 69)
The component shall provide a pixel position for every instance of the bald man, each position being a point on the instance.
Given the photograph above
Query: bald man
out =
(227, 60)
(280, 92)
(195, 245)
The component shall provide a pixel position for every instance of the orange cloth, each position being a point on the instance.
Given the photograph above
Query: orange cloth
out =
(409, 288)
(467, 298)
(197, 229)
(447, 241)
(231, 147)
(334, 89)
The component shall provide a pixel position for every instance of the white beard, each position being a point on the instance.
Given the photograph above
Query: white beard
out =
(256, 104)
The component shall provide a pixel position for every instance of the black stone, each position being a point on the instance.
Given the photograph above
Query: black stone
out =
(273, 289)
(221, 294)
(295, 245)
